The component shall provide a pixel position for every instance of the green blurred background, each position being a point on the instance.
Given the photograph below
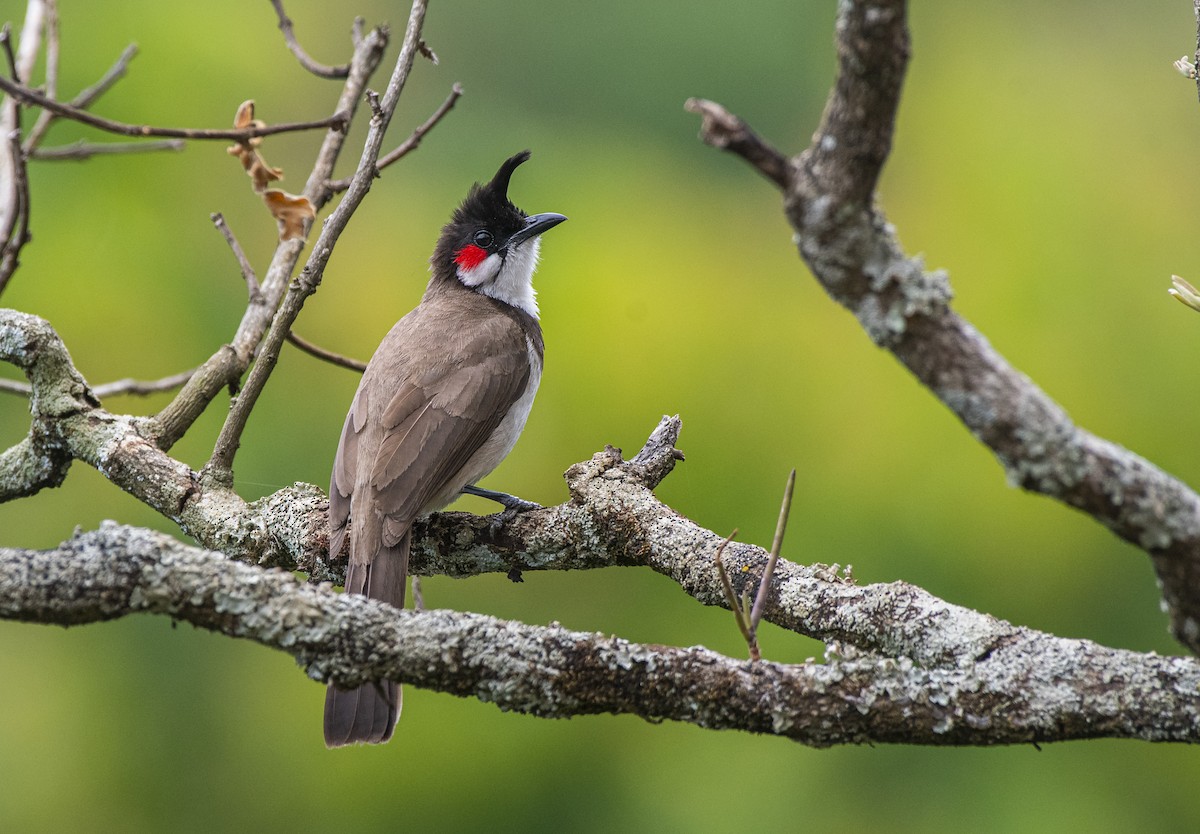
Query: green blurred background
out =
(1046, 156)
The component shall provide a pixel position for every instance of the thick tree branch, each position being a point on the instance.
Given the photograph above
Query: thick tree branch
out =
(1070, 689)
(935, 673)
(854, 253)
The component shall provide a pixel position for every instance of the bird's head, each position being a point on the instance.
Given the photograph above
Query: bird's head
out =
(490, 245)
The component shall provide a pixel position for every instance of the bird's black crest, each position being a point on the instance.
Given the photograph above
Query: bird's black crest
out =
(499, 183)
(488, 202)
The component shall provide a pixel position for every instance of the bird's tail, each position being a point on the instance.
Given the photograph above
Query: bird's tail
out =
(369, 713)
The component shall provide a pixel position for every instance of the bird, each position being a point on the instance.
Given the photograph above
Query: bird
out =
(442, 401)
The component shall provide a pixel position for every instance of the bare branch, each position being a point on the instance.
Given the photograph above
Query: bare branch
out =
(310, 279)
(853, 252)
(326, 355)
(306, 61)
(81, 150)
(412, 142)
(338, 120)
(950, 675)
(722, 129)
(227, 365)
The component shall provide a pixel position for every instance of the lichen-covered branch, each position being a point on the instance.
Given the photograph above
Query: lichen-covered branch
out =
(907, 666)
(1068, 689)
(854, 252)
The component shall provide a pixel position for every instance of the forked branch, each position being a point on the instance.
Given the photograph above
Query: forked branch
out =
(854, 253)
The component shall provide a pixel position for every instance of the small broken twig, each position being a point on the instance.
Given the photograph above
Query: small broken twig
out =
(306, 60)
(251, 279)
(410, 144)
(748, 617)
(780, 528)
(721, 129)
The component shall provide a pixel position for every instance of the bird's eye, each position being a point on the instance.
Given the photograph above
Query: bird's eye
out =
(482, 238)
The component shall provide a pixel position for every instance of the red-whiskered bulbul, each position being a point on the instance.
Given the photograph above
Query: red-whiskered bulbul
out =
(441, 403)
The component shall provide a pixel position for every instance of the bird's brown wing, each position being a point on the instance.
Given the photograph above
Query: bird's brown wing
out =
(414, 423)
(432, 428)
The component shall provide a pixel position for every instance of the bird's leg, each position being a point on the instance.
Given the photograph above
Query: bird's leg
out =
(513, 506)
(511, 503)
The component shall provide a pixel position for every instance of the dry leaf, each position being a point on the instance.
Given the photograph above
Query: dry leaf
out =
(291, 211)
(261, 174)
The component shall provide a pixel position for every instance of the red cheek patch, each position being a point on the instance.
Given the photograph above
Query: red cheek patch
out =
(470, 256)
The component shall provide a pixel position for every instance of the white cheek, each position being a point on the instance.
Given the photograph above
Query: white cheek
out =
(482, 272)
(514, 284)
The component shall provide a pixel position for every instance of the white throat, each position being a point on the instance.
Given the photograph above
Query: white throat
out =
(508, 279)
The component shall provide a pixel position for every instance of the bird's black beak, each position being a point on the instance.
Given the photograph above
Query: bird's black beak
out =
(535, 224)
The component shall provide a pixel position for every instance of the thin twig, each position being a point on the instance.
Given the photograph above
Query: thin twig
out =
(82, 150)
(735, 606)
(306, 60)
(326, 355)
(6, 46)
(143, 387)
(13, 386)
(89, 95)
(780, 528)
(16, 235)
(252, 287)
(412, 142)
(29, 96)
(38, 131)
(112, 389)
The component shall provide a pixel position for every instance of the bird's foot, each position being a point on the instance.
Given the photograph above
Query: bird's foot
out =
(513, 506)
